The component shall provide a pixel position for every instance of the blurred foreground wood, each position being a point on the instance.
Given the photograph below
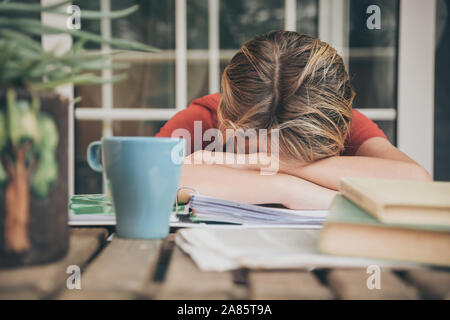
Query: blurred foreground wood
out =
(158, 269)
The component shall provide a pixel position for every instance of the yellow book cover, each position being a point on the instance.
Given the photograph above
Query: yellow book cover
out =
(401, 201)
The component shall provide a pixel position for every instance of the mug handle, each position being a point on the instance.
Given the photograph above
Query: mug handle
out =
(93, 156)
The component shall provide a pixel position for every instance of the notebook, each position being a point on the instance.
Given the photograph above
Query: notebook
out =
(351, 231)
(97, 209)
(401, 201)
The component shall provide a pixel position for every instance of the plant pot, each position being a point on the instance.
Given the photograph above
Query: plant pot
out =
(37, 232)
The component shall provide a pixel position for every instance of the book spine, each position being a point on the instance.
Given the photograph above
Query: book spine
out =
(354, 194)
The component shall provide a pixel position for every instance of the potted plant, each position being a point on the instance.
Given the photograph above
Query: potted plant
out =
(34, 127)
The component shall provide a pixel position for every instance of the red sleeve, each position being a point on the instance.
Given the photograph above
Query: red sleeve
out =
(185, 120)
(361, 129)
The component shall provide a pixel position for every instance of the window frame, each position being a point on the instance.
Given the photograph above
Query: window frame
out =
(415, 93)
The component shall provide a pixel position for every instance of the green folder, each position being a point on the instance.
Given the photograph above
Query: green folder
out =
(100, 204)
(92, 204)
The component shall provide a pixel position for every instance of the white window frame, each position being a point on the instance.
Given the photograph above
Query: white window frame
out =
(333, 28)
(415, 105)
(290, 15)
(415, 93)
(214, 46)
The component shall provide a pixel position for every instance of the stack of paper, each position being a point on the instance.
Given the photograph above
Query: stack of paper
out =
(228, 249)
(219, 210)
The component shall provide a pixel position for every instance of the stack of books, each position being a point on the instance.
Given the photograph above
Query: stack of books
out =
(390, 219)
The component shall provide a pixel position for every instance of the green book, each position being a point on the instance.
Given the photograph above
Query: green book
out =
(343, 210)
(351, 231)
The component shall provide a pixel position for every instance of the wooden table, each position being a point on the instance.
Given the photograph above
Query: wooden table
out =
(157, 269)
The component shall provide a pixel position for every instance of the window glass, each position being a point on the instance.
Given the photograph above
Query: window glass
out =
(307, 17)
(151, 80)
(197, 44)
(87, 181)
(373, 58)
(151, 76)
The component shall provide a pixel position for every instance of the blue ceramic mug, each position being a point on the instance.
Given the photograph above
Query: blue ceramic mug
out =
(142, 174)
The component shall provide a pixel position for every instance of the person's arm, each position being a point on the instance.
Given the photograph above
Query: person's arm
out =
(251, 187)
(375, 158)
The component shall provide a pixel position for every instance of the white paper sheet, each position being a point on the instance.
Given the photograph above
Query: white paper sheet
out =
(229, 249)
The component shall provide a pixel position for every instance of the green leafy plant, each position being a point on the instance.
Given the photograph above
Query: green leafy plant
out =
(23, 62)
(29, 137)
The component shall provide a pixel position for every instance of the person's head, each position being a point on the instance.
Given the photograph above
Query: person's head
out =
(290, 82)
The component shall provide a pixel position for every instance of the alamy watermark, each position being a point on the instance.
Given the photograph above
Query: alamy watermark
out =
(374, 20)
(73, 22)
(374, 280)
(260, 147)
(74, 280)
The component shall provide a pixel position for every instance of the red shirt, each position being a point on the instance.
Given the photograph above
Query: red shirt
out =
(205, 109)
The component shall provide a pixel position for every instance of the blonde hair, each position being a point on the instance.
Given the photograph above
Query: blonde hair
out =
(295, 84)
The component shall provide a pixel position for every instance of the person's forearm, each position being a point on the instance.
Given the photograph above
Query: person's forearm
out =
(251, 187)
(328, 172)
(232, 184)
(324, 175)
(303, 194)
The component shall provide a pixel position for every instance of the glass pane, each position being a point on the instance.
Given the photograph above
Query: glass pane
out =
(153, 23)
(197, 44)
(91, 96)
(242, 20)
(137, 128)
(388, 127)
(197, 24)
(150, 83)
(373, 55)
(89, 25)
(307, 17)
(86, 180)
(141, 89)
(151, 76)
(198, 77)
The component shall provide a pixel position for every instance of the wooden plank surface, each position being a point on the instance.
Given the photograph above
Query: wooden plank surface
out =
(43, 281)
(433, 284)
(120, 271)
(184, 280)
(352, 284)
(124, 269)
(286, 285)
